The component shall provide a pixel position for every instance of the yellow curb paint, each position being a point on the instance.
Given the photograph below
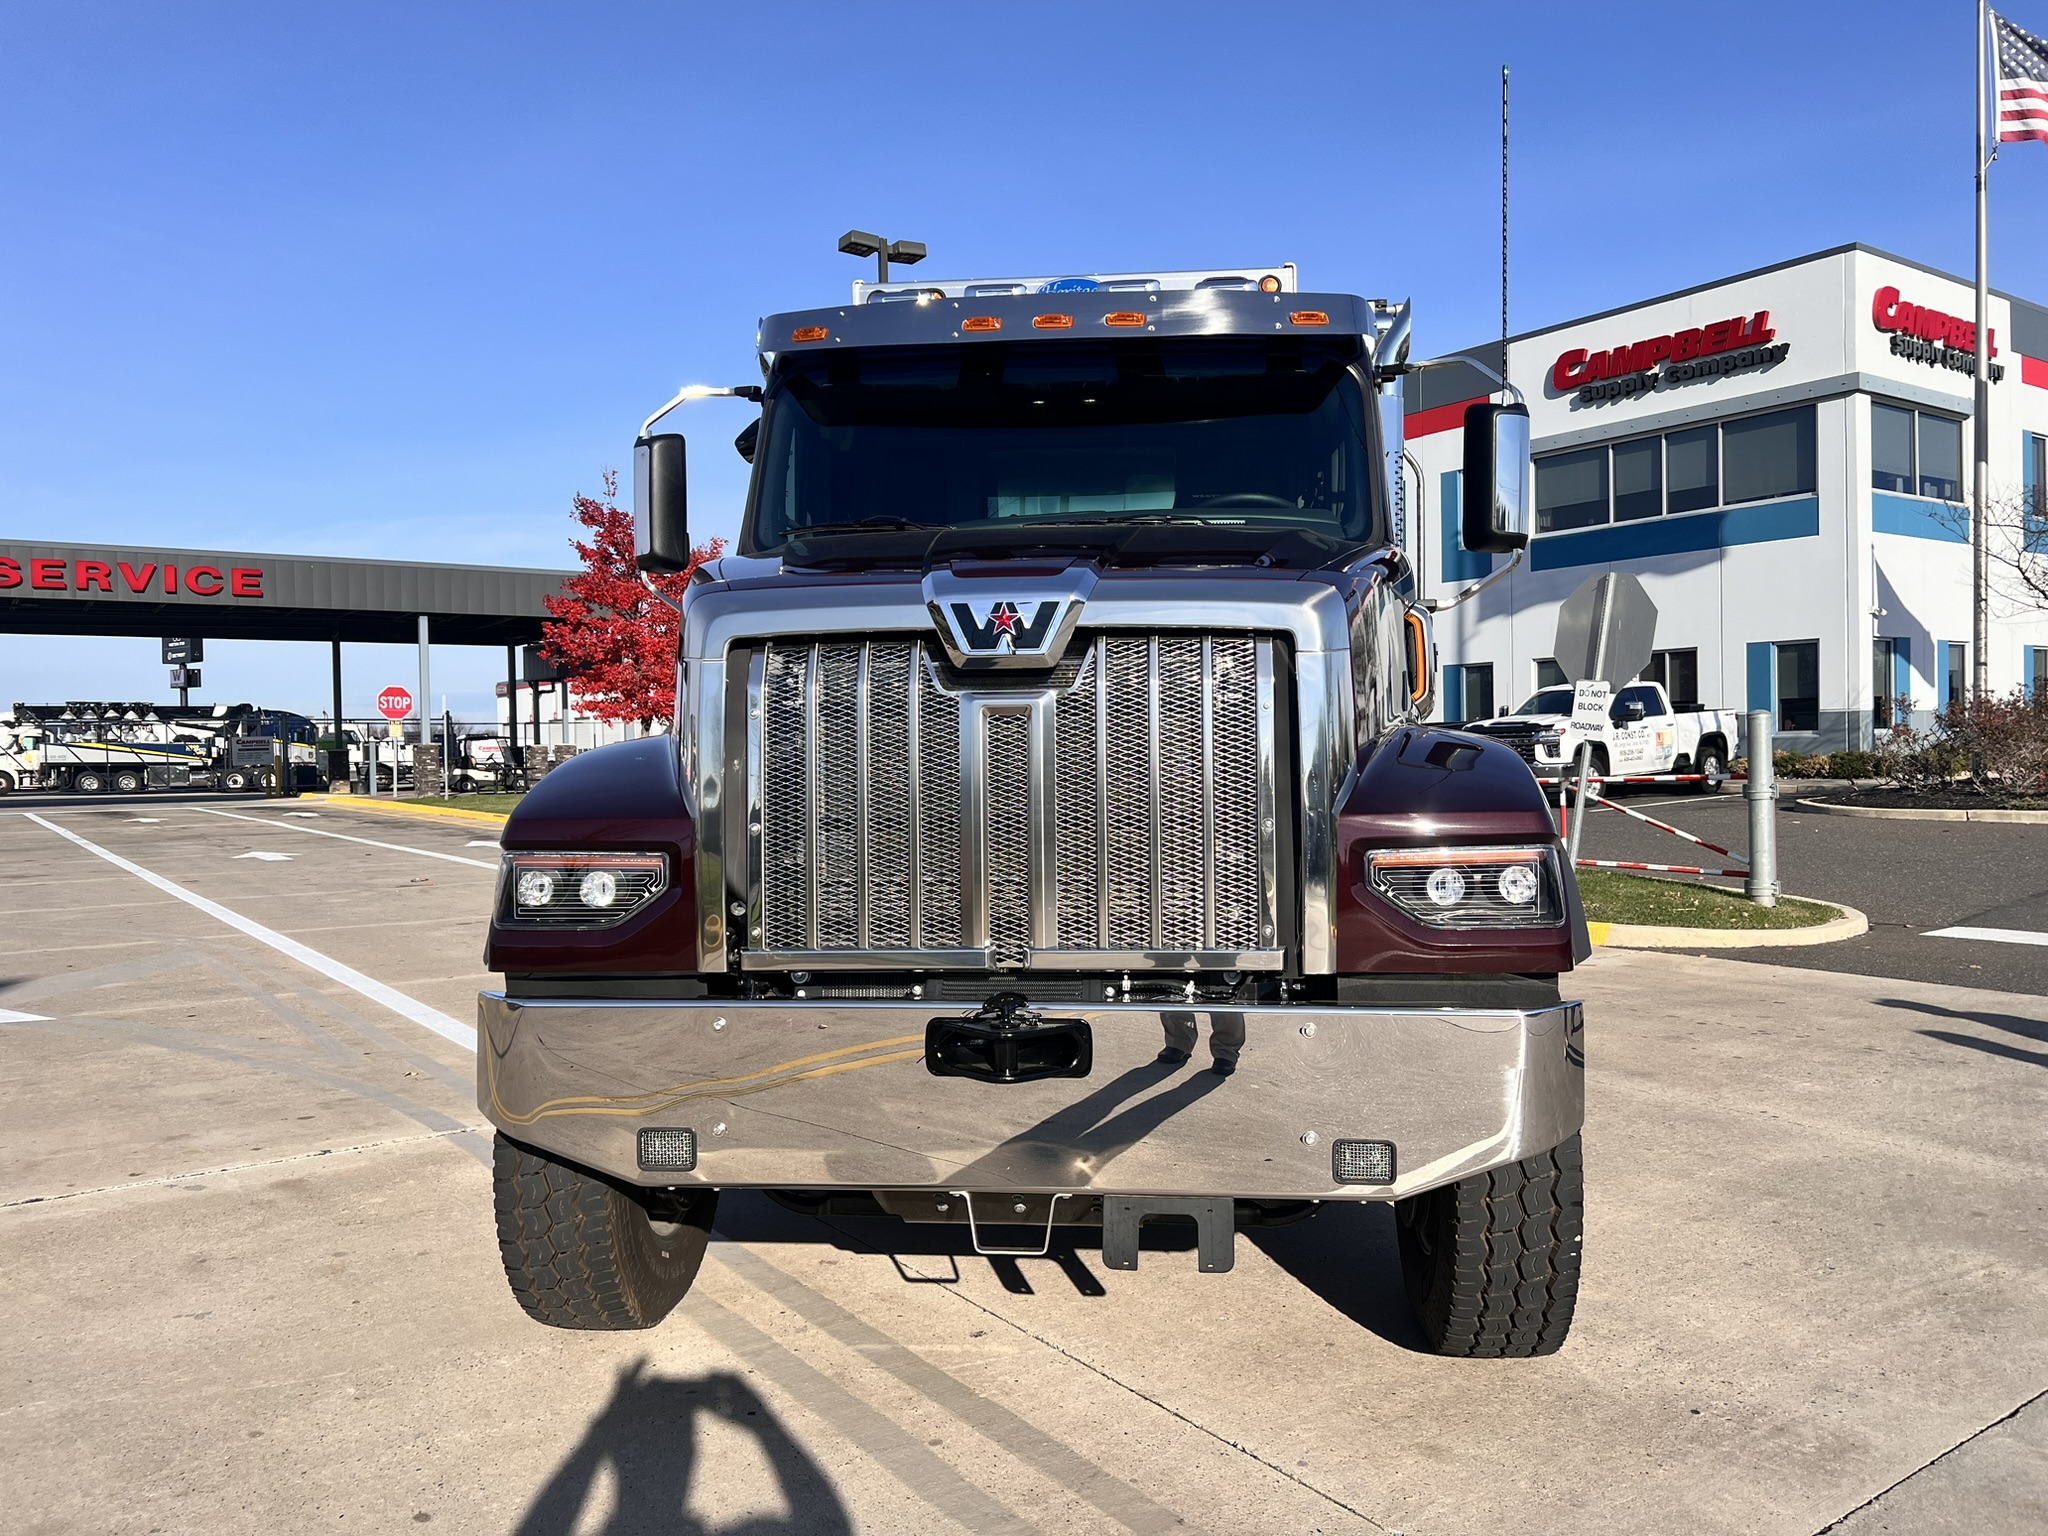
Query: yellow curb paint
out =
(402, 809)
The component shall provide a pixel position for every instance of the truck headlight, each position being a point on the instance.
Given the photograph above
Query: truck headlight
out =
(579, 890)
(1470, 887)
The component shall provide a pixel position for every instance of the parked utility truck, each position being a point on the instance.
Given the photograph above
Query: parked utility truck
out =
(1050, 838)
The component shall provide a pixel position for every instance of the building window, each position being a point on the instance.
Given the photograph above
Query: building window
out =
(1915, 453)
(1679, 672)
(1549, 674)
(1883, 663)
(1799, 685)
(1891, 449)
(1638, 479)
(1692, 461)
(1571, 490)
(1767, 456)
(1752, 458)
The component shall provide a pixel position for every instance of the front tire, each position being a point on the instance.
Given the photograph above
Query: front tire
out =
(1492, 1262)
(583, 1252)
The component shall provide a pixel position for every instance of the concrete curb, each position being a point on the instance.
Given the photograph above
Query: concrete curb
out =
(1889, 813)
(1849, 925)
(401, 809)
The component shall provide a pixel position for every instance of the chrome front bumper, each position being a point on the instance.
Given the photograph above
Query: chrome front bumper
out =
(836, 1095)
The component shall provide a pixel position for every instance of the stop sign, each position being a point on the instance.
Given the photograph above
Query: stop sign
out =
(394, 703)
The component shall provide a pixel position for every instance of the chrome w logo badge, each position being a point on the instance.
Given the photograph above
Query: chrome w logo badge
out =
(1007, 621)
(1006, 628)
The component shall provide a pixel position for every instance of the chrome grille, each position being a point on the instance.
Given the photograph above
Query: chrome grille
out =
(1116, 810)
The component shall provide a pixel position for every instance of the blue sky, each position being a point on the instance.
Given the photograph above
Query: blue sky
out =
(397, 280)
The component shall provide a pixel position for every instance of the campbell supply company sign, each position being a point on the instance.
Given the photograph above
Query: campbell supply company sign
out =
(1733, 345)
(1931, 336)
(132, 578)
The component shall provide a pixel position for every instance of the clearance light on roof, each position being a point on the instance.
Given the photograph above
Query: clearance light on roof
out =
(982, 323)
(1052, 322)
(1310, 317)
(1124, 317)
(809, 333)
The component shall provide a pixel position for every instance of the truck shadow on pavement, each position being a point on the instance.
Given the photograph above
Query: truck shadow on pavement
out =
(647, 1439)
(2012, 1024)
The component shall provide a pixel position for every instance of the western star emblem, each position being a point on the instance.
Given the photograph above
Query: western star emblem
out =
(1025, 621)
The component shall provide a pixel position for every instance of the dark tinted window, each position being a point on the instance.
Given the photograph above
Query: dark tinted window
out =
(1765, 456)
(1638, 479)
(1571, 490)
(1891, 448)
(1692, 463)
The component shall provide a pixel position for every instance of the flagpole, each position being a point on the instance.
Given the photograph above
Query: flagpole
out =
(1980, 567)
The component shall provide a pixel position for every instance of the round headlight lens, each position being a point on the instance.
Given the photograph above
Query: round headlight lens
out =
(535, 889)
(1518, 885)
(600, 888)
(1446, 887)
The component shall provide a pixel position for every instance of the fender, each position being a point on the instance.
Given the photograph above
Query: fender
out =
(626, 797)
(1426, 786)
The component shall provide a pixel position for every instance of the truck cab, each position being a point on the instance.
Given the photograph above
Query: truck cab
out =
(1050, 835)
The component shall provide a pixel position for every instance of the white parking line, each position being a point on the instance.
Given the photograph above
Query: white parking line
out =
(1990, 935)
(370, 842)
(390, 997)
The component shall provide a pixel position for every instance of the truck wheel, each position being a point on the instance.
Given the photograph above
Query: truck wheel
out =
(583, 1252)
(1492, 1262)
(1713, 762)
(127, 782)
(88, 783)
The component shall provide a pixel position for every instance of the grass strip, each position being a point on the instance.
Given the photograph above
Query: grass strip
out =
(1612, 897)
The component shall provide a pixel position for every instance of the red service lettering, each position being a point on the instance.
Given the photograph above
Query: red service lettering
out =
(138, 581)
(46, 575)
(10, 572)
(94, 573)
(246, 581)
(215, 581)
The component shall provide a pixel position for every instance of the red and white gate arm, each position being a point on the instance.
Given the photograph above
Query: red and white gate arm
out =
(1664, 869)
(1663, 826)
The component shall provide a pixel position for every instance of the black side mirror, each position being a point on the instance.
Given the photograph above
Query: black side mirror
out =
(661, 523)
(749, 439)
(1497, 479)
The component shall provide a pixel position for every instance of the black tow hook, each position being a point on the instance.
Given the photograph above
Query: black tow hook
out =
(1007, 1042)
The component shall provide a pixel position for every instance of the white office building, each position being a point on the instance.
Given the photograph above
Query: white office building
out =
(1782, 457)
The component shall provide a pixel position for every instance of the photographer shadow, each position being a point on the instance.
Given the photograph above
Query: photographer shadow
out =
(647, 1438)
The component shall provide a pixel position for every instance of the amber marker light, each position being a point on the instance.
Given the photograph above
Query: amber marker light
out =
(982, 323)
(1124, 317)
(1309, 317)
(1052, 322)
(809, 333)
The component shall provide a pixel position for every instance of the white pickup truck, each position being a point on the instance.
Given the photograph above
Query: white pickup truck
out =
(1646, 733)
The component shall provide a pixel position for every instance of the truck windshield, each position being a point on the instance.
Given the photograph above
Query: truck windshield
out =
(1237, 432)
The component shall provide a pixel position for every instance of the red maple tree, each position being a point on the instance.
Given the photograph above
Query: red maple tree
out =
(609, 633)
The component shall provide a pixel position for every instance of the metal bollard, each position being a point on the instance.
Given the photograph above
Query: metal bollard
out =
(1761, 791)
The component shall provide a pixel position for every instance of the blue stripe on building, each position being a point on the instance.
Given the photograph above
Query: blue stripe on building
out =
(1761, 522)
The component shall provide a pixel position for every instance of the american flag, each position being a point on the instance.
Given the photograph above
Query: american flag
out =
(2022, 82)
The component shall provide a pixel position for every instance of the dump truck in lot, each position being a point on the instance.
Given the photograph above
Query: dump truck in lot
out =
(1051, 835)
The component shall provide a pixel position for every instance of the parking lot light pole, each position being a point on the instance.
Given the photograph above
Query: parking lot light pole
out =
(1760, 789)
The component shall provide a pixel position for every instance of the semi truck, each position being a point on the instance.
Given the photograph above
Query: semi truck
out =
(90, 746)
(1051, 835)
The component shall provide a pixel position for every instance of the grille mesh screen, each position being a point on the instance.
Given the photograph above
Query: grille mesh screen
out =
(1146, 752)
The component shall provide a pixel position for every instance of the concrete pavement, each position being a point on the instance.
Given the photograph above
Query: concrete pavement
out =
(247, 1218)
